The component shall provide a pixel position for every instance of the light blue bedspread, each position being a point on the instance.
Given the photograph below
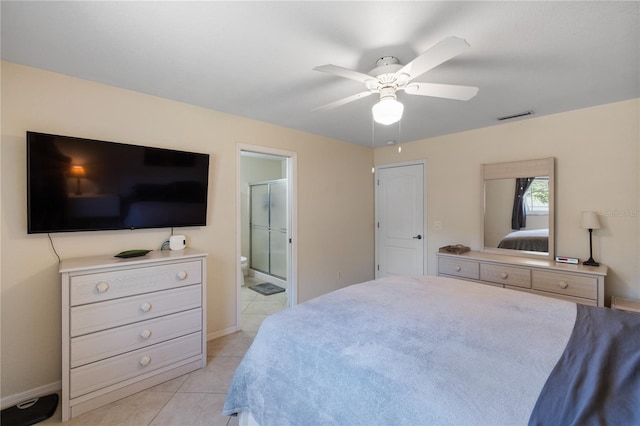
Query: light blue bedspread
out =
(403, 351)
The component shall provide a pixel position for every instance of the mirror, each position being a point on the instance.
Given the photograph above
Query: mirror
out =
(519, 208)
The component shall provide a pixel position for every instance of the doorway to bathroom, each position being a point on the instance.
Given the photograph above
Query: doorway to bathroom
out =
(266, 223)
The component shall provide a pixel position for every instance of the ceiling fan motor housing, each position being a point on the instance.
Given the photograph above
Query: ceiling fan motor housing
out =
(385, 74)
(388, 93)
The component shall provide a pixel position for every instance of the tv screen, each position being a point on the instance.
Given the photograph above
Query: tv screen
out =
(76, 184)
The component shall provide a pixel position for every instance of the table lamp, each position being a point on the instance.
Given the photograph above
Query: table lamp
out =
(590, 222)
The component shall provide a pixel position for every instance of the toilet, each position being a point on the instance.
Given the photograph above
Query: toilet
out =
(244, 266)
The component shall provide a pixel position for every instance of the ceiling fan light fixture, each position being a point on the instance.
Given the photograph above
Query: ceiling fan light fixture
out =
(387, 111)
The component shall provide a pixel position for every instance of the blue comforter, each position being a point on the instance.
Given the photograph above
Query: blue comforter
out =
(403, 351)
(597, 379)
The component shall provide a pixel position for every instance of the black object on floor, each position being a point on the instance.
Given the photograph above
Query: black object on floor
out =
(267, 289)
(30, 412)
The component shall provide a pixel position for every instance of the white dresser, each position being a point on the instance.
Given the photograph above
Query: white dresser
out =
(576, 283)
(129, 324)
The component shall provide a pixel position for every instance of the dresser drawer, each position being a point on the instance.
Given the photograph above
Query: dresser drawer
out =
(114, 313)
(101, 374)
(96, 346)
(459, 268)
(567, 284)
(507, 275)
(98, 287)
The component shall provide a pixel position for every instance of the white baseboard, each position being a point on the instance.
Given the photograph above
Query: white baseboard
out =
(11, 400)
(223, 332)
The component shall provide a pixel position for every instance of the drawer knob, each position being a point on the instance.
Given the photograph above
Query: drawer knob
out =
(145, 334)
(145, 307)
(504, 275)
(563, 284)
(145, 360)
(182, 275)
(458, 268)
(102, 286)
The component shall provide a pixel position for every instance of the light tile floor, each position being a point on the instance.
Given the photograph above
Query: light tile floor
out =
(256, 307)
(196, 398)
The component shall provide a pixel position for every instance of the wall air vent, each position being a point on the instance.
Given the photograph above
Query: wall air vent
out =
(510, 117)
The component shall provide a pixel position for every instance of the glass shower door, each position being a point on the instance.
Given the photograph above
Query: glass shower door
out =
(278, 230)
(269, 228)
(260, 227)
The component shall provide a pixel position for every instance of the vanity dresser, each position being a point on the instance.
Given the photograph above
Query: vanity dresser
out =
(575, 283)
(129, 324)
(524, 259)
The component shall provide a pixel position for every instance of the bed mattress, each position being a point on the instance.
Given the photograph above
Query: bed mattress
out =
(403, 350)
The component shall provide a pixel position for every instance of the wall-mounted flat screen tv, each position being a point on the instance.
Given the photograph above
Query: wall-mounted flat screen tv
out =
(77, 184)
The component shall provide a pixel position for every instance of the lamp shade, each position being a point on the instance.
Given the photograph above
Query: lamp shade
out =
(77, 171)
(590, 220)
(387, 111)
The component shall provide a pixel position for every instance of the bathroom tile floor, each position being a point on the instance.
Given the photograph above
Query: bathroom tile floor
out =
(255, 307)
(196, 398)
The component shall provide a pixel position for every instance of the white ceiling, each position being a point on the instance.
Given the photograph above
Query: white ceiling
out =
(256, 59)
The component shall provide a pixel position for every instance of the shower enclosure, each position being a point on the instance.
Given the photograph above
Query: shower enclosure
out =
(268, 227)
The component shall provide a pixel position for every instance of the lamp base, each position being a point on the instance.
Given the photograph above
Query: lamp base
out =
(590, 262)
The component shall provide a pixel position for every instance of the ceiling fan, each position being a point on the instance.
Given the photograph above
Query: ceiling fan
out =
(389, 76)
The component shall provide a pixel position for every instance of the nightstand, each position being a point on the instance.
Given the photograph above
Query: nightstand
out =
(625, 304)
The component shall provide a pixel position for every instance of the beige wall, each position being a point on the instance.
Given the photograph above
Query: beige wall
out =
(597, 168)
(335, 206)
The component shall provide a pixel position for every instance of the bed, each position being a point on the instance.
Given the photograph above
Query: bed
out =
(434, 350)
(529, 240)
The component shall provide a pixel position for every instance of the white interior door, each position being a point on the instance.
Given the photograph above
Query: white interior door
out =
(400, 229)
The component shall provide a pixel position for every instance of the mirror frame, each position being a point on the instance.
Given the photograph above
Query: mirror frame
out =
(519, 169)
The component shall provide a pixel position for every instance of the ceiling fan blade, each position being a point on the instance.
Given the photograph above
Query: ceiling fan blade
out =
(436, 55)
(344, 101)
(449, 91)
(344, 72)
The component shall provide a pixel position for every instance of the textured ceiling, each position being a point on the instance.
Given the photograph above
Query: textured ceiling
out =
(256, 59)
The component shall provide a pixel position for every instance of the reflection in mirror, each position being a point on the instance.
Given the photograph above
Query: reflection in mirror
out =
(513, 221)
(518, 213)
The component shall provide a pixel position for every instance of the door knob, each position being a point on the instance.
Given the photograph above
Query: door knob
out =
(417, 237)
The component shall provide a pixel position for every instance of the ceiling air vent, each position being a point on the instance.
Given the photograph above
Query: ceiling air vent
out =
(510, 117)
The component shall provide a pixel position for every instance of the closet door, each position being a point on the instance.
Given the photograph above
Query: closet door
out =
(400, 227)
